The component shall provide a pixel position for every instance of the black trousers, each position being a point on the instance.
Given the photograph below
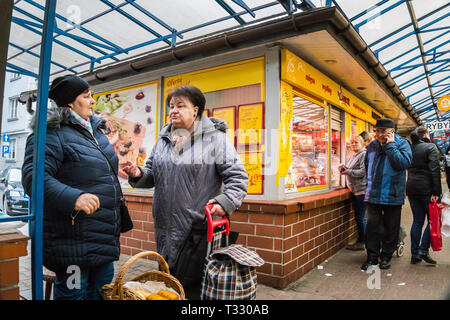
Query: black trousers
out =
(382, 230)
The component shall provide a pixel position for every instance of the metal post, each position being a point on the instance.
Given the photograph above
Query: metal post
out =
(40, 132)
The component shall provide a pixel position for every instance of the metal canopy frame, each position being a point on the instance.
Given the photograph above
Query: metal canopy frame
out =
(94, 49)
(432, 49)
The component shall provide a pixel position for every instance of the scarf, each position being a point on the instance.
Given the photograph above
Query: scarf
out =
(84, 123)
(180, 136)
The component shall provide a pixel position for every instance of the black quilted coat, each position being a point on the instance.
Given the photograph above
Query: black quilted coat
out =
(185, 180)
(74, 165)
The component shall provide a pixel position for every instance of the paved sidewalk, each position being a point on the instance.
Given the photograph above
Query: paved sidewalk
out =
(339, 279)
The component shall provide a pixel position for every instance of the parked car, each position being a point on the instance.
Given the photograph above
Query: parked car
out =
(13, 199)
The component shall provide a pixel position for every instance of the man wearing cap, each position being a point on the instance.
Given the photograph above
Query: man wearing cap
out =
(387, 158)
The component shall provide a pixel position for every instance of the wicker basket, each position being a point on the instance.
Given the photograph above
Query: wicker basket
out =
(116, 290)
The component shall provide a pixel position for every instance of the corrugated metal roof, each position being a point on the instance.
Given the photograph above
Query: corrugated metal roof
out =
(410, 38)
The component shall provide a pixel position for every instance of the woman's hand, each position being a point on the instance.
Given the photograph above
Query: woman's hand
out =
(88, 203)
(132, 170)
(217, 210)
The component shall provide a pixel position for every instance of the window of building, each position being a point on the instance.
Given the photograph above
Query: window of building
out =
(14, 76)
(337, 146)
(12, 112)
(12, 150)
(309, 167)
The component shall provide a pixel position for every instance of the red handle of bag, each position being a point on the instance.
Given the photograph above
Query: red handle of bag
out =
(212, 224)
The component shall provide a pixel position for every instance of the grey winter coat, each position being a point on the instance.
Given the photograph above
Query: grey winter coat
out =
(356, 173)
(184, 181)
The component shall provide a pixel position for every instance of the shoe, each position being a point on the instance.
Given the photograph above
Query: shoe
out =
(358, 246)
(415, 259)
(368, 263)
(426, 257)
(385, 264)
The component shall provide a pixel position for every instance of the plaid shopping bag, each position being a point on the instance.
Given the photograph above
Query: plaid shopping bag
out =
(230, 274)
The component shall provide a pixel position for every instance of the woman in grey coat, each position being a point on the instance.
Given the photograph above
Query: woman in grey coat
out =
(355, 172)
(191, 160)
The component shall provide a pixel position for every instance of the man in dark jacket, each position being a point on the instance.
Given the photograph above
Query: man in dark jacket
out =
(387, 159)
(81, 193)
(423, 186)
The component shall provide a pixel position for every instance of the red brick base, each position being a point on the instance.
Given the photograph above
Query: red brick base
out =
(291, 236)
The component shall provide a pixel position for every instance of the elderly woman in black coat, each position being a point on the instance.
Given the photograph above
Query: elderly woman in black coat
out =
(422, 187)
(81, 193)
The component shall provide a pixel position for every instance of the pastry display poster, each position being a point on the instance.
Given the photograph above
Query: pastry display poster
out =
(131, 115)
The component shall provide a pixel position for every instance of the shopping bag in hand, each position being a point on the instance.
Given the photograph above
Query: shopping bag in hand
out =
(435, 225)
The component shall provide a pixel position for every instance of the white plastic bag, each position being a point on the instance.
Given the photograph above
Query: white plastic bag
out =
(445, 221)
(446, 198)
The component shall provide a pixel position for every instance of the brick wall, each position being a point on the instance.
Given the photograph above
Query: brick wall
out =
(291, 236)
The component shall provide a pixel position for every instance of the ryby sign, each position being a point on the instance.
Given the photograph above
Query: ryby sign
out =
(438, 125)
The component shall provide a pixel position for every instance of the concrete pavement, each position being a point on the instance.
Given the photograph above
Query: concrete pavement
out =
(340, 277)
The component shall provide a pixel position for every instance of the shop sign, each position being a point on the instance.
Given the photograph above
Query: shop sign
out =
(298, 73)
(444, 103)
(437, 125)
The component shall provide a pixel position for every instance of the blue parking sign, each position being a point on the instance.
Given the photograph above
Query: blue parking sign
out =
(5, 149)
(5, 138)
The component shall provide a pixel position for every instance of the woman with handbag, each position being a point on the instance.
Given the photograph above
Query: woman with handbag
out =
(191, 160)
(82, 195)
(422, 187)
(355, 172)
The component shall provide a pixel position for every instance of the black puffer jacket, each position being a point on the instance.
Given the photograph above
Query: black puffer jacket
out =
(74, 165)
(424, 175)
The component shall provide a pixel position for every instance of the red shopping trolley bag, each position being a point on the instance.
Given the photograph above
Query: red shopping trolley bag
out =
(435, 225)
(229, 272)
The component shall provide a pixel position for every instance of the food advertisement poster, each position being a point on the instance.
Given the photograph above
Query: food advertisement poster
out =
(131, 115)
(251, 123)
(228, 115)
(253, 163)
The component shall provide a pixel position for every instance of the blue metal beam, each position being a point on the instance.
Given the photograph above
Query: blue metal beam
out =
(420, 77)
(244, 6)
(39, 138)
(133, 19)
(37, 56)
(21, 70)
(379, 14)
(154, 18)
(77, 26)
(427, 99)
(408, 25)
(411, 33)
(231, 12)
(26, 26)
(431, 51)
(415, 48)
(420, 64)
(362, 13)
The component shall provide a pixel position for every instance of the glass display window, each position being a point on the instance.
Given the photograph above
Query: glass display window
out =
(310, 145)
(337, 146)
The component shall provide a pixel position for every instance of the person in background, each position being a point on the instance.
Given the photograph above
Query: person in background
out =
(355, 172)
(447, 166)
(191, 160)
(367, 137)
(387, 159)
(81, 193)
(423, 186)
